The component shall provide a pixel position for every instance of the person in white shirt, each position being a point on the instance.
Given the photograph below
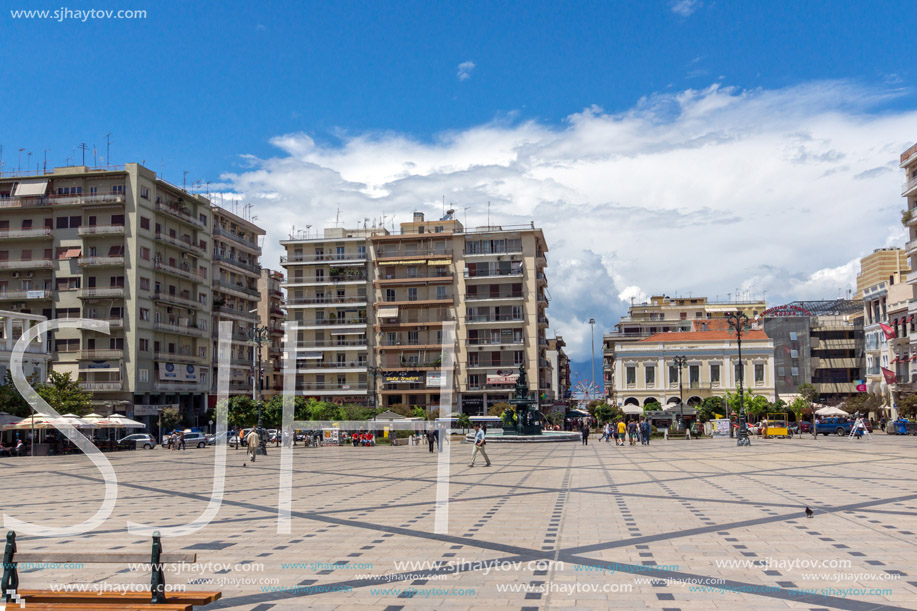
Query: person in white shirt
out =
(479, 445)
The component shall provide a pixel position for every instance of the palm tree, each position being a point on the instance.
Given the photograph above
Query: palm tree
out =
(464, 421)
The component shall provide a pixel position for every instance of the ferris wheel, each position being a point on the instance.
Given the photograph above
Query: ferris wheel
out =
(584, 391)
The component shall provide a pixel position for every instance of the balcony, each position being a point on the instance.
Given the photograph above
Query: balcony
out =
(390, 254)
(219, 231)
(101, 386)
(30, 264)
(331, 387)
(25, 234)
(908, 187)
(101, 355)
(497, 342)
(24, 295)
(353, 257)
(188, 329)
(174, 357)
(101, 261)
(113, 323)
(93, 230)
(273, 311)
(329, 300)
(494, 297)
(184, 302)
(182, 214)
(305, 365)
(230, 287)
(483, 364)
(248, 267)
(225, 311)
(491, 253)
(493, 318)
(107, 293)
(180, 243)
(93, 199)
(493, 274)
(319, 280)
(342, 344)
(184, 271)
(417, 279)
(182, 386)
(305, 324)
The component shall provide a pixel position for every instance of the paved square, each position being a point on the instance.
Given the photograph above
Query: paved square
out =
(675, 525)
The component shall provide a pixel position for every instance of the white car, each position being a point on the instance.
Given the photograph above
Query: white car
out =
(138, 440)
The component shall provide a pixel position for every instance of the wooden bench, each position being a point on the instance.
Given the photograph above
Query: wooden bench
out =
(62, 600)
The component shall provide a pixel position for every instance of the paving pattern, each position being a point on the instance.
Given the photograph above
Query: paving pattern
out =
(675, 525)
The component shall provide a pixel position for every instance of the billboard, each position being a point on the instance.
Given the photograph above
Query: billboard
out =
(403, 377)
(178, 372)
(436, 379)
(508, 376)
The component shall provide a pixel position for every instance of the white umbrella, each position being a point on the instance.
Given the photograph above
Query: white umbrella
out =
(78, 422)
(6, 418)
(831, 411)
(126, 422)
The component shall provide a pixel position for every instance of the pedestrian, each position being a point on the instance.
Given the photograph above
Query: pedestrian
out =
(181, 440)
(632, 431)
(645, 431)
(585, 432)
(607, 432)
(431, 440)
(356, 437)
(252, 441)
(621, 432)
(479, 442)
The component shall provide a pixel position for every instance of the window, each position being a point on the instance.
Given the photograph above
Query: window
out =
(630, 374)
(64, 313)
(673, 374)
(26, 254)
(145, 193)
(474, 381)
(144, 284)
(413, 338)
(792, 336)
(69, 222)
(412, 294)
(714, 374)
(441, 293)
(145, 314)
(650, 375)
(118, 189)
(759, 373)
(116, 282)
(390, 294)
(145, 254)
(93, 190)
(144, 223)
(68, 283)
(67, 345)
(144, 345)
(473, 359)
(144, 374)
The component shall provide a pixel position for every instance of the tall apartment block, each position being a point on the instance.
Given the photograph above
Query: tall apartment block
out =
(664, 314)
(271, 316)
(370, 308)
(123, 246)
(236, 297)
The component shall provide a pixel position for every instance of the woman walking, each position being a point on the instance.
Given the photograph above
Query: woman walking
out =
(585, 433)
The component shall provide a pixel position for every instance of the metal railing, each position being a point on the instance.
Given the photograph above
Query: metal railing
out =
(112, 292)
(492, 274)
(907, 186)
(185, 271)
(331, 322)
(494, 318)
(219, 231)
(101, 261)
(30, 264)
(101, 386)
(188, 329)
(181, 214)
(331, 300)
(176, 300)
(102, 354)
(249, 267)
(343, 343)
(180, 243)
(37, 232)
(36, 294)
(325, 279)
(231, 312)
(326, 258)
(317, 386)
(391, 253)
(229, 286)
(486, 296)
(85, 230)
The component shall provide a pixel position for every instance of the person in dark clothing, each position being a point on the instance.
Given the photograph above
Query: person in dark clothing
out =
(585, 434)
(431, 440)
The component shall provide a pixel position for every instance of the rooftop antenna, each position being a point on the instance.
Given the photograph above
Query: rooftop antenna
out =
(45, 166)
(444, 205)
(82, 146)
(95, 156)
(108, 149)
(337, 217)
(764, 299)
(466, 215)
(184, 177)
(488, 214)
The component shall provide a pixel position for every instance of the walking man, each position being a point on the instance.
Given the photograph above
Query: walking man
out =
(479, 442)
(585, 432)
(252, 441)
(645, 431)
(621, 432)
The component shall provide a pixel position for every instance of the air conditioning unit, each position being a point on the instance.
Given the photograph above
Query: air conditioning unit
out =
(30, 274)
(15, 274)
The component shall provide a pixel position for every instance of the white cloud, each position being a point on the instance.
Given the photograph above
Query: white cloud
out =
(464, 70)
(698, 191)
(685, 8)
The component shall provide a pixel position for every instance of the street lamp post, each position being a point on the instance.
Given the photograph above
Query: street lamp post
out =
(592, 326)
(258, 335)
(374, 372)
(680, 362)
(739, 323)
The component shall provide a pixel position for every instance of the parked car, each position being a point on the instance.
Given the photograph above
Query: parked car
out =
(830, 426)
(191, 440)
(232, 438)
(142, 440)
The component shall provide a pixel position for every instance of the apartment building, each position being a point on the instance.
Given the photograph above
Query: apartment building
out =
(887, 265)
(819, 343)
(908, 163)
(236, 297)
(887, 326)
(370, 306)
(647, 372)
(664, 314)
(271, 315)
(123, 246)
(560, 391)
(37, 354)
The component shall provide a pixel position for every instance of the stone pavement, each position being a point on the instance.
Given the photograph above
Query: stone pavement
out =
(676, 525)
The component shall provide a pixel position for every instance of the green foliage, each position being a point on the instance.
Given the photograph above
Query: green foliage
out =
(800, 407)
(652, 406)
(907, 406)
(464, 421)
(555, 417)
(607, 413)
(170, 419)
(808, 392)
(710, 407)
(242, 412)
(65, 394)
(11, 401)
(498, 408)
(594, 405)
(418, 412)
(864, 402)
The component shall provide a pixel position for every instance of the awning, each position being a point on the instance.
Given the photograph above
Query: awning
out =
(32, 187)
(405, 262)
(70, 253)
(631, 409)
(910, 318)
(350, 332)
(439, 262)
(388, 312)
(894, 322)
(116, 251)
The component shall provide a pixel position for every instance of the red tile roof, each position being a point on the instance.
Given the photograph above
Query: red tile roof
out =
(702, 336)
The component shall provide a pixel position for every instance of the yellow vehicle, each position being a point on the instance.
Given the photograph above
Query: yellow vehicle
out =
(778, 426)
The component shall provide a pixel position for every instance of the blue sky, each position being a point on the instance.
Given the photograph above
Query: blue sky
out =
(197, 84)
(632, 132)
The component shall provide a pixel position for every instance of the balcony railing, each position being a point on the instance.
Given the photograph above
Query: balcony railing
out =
(26, 295)
(101, 261)
(484, 364)
(326, 258)
(176, 300)
(485, 296)
(233, 313)
(174, 357)
(181, 243)
(331, 322)
(98, 355)
(101, 386)
(492, 274)
(94, 293)
(908, 186)
(189, 329)
(497, 342)
(249, 267)
(229, 286)
(86, 200)
(37, 232)
(312, 364)
(30, 264)
(331, 300)
(219, 231)
(329, 386)
(342, 343)
(325, 279)
(402, 253)
(185, 271)
(113, 323)
(181, 214)
(494, 318)
(501, 251)
(87, 230)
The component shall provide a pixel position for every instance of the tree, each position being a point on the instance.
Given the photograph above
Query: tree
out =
(607, 413)
(799, 406)
(710, 407)
(757, 406)
(907, 406)
(651, 407)
(594, 405)
(65, 395)
(498, 408)
(464, 421)
(169, 419)
(11, 401)
(808, 392)
(418, 412)
(242, 412)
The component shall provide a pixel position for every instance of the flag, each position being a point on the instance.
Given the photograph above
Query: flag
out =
(890, 377)
(889, 332)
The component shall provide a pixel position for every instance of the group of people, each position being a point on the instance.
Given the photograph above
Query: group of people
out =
(15, 450)
(177, 440)
(362, 438)
(623, 433)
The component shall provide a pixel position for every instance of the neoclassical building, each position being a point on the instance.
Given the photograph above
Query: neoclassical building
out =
(646, 370)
